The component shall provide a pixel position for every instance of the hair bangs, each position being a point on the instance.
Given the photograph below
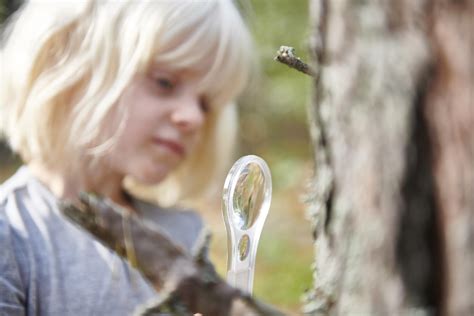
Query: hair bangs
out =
(213, 43)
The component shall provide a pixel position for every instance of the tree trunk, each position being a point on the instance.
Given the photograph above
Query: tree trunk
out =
(392, 124)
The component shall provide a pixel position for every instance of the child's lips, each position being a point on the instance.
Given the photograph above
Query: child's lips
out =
(171, 145)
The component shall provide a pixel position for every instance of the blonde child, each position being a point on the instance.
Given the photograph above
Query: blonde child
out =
(96, 94)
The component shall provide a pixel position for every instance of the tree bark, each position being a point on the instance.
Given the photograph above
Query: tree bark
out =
(392, 124)
(187, 283)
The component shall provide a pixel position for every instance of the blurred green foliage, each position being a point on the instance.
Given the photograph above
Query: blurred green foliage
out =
(283, 272)
(3, 10)
(273, 112)
(7, 7)
(273, 121)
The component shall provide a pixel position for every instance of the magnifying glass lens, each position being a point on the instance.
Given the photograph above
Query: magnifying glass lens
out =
(248, 196)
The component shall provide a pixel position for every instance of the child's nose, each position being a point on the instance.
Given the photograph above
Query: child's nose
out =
(188, 115)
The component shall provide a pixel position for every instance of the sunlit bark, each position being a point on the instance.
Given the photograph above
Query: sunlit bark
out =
(392, 126)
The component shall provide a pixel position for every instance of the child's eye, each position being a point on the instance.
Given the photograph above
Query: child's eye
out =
(165, 84)
(204, 104)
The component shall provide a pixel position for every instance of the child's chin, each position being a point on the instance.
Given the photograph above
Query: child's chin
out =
(152, 178)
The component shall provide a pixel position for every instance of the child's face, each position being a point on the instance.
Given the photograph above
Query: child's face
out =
(165, 119)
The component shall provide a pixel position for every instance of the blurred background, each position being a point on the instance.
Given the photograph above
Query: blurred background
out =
(273, 125)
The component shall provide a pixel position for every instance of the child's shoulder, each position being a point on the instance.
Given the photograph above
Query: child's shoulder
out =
(20, 196)
(13, 193)
(13, 186)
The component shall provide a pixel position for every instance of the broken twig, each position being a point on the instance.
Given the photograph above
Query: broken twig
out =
(286, 55)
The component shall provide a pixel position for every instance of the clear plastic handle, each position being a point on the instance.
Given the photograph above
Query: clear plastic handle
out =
(245, 204)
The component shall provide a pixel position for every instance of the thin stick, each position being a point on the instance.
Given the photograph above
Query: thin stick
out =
(286, 55)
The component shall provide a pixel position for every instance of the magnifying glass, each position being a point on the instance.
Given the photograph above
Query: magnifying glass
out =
(246, 202)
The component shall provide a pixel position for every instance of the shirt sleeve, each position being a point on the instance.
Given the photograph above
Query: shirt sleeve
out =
(12, 296)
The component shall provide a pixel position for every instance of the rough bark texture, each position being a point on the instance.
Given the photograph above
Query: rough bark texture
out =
(392, 124)
(450, 113)
(187, 284)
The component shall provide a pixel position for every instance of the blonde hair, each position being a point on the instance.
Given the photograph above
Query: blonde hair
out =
(64, 64)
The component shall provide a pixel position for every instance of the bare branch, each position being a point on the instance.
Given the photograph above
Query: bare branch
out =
(187, 283)
(286, 55)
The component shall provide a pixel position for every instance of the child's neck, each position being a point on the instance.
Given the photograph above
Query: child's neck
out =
(68, 185)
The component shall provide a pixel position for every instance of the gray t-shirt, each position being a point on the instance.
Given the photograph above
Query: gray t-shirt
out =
(49, 266)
